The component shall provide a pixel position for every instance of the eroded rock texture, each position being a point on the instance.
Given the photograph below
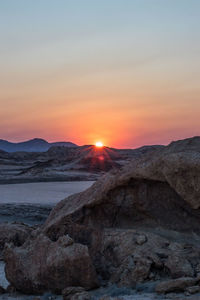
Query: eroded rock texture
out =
(41, 265)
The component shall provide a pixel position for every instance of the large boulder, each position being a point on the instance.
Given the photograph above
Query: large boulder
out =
(42, 265)
(161, 188)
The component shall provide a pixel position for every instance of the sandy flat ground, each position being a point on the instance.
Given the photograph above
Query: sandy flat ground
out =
(42, 192)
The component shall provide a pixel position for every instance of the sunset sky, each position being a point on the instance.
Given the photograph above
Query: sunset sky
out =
(125, 72)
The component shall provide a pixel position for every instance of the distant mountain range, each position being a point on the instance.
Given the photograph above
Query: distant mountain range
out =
(34, 145)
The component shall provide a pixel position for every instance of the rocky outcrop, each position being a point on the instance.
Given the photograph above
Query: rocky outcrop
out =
(158, 189)
(15, 233)
(135, 225)
(42, 265)
(122, 261)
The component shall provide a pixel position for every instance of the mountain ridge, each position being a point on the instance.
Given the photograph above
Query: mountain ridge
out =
(32, 145)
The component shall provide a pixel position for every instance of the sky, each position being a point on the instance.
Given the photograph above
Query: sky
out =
(125, 72)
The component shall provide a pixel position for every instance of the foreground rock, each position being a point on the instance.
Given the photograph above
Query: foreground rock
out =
(42, 265)
(136, 225)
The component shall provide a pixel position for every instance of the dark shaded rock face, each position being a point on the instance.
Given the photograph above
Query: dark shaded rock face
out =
(140, 223)
(138, 203)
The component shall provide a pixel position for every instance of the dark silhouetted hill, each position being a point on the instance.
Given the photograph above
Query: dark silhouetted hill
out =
(34, 145)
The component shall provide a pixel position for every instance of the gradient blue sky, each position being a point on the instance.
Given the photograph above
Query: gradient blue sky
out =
(126, 72)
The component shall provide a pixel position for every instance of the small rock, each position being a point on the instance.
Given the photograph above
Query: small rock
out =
(35, 232)
(151, 276)
(11, 289)
(65, 240)
(179, 266)
(80, 296)
(175, 285)
(71, 290)
(132, 271)
(141, 239)
(193, 289)
(43, 265)
(175, 246)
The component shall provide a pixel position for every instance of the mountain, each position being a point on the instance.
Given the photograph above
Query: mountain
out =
(34, 145)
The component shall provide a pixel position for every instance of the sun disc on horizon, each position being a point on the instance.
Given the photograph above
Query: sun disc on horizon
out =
(99, 144)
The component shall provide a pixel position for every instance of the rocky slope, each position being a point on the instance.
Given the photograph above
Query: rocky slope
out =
(139, 226)
(61, 163)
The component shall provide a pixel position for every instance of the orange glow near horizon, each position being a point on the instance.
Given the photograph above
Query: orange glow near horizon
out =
(94, 71)
(99, 144)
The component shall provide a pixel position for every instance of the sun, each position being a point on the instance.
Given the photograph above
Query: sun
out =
(99, 144)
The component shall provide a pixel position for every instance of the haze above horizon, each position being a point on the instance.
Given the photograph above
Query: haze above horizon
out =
(123, 72)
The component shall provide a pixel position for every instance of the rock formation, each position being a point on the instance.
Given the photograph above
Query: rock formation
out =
(42, 265)
(134, 225)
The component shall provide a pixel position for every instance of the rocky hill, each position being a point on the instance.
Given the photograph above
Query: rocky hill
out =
(34, 145)
(61, 163)
(136, 227)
